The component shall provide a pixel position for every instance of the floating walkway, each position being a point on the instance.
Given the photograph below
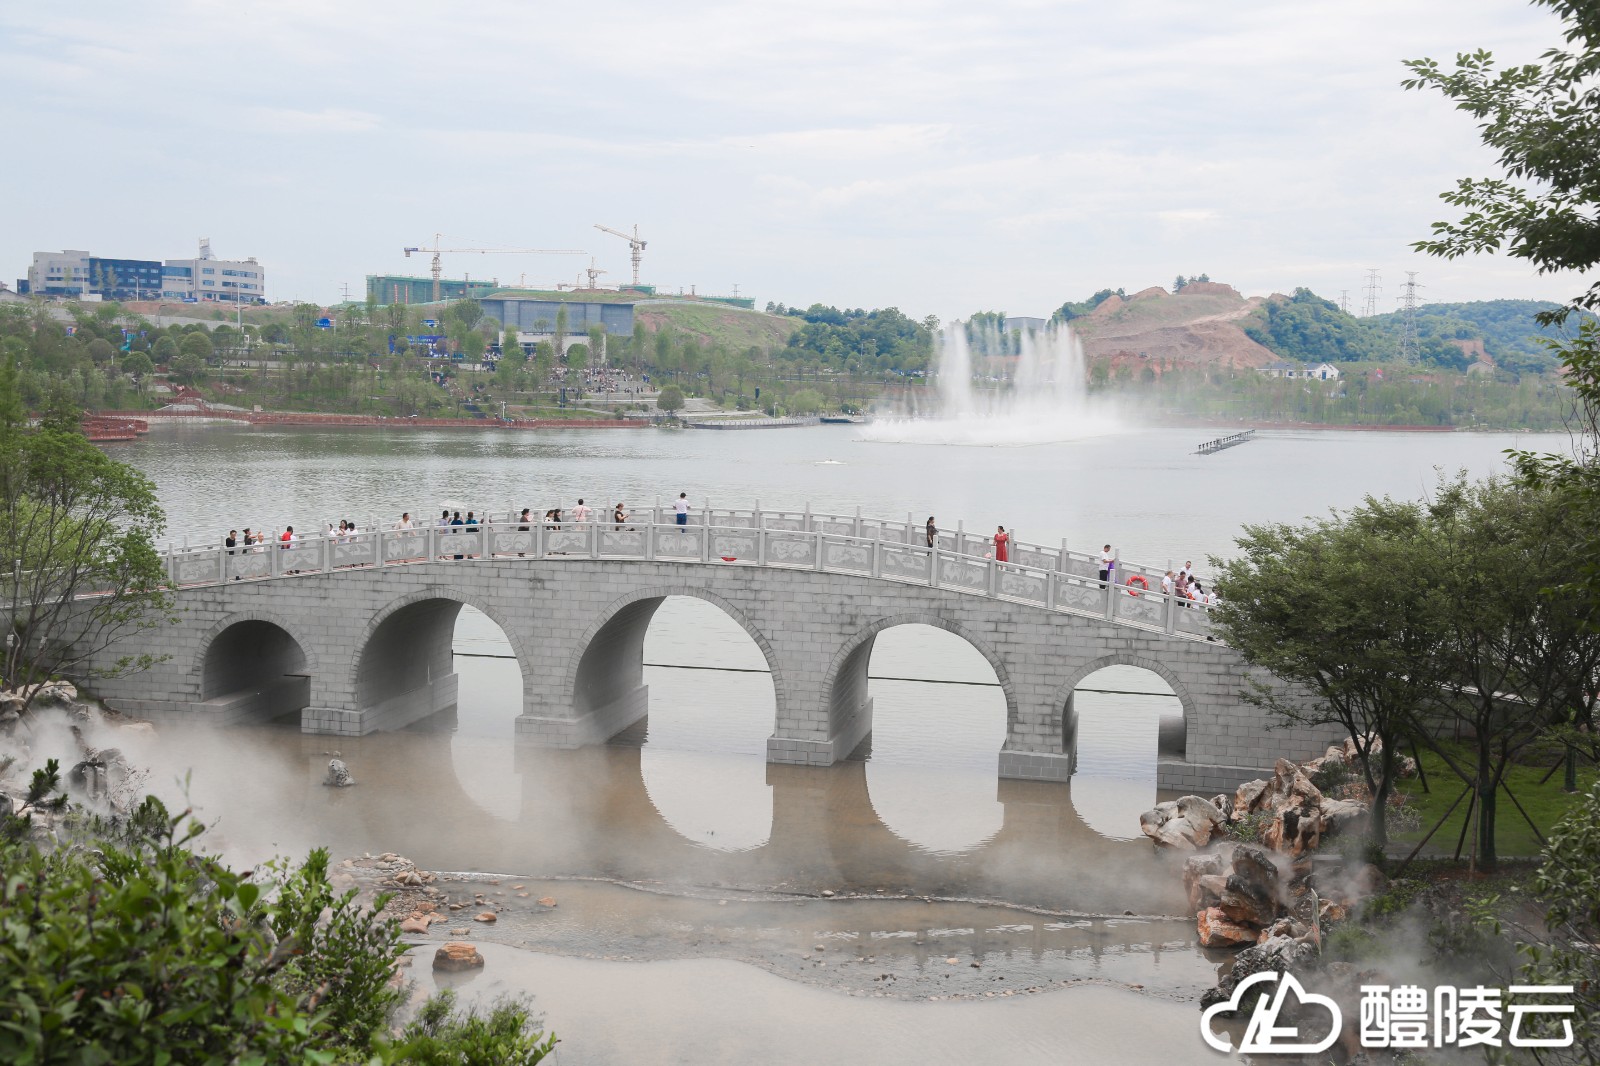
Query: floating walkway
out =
(753, 423)
(1222, 443)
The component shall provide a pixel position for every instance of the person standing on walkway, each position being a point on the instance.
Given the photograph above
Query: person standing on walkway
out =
(405, 521)
(581, 513)
(680, 508)
(1002, 545)
(232, 541)
(1108, 563)
(933, 531)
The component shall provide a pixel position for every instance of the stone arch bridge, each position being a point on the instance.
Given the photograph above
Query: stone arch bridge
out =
(356, 634)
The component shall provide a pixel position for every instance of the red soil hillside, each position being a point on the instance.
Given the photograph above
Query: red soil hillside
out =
(1198, 326)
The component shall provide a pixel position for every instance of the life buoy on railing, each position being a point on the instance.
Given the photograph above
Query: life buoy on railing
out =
(1137, 579)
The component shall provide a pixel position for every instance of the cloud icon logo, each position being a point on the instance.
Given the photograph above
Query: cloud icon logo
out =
(1263, 1033)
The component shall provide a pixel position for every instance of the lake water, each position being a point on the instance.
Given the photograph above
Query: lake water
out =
(689, 849)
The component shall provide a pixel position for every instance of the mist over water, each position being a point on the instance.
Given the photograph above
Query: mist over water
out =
(712, 843)
(1036, 395)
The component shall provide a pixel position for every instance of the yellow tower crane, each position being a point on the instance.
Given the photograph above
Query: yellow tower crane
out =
(437, 251)
(635, 244)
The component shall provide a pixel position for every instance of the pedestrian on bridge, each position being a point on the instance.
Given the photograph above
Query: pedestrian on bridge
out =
(231, 541)
(1108, 563)
(933, 532)
(581, 513)
(1002, 545)
(680, 509)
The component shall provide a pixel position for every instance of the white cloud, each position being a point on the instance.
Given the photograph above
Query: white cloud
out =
(936, 155)
(326, 120)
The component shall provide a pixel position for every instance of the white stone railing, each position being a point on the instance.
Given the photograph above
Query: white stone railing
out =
(1052, 578)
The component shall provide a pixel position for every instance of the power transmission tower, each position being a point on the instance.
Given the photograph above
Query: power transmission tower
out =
(1374, 288)
(1344, 300)
(1408, 320)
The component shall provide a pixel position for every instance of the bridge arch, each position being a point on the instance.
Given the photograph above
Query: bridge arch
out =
(845, 683)
(1069, 716)
(254, 665)
(403, 668)
(605, 673)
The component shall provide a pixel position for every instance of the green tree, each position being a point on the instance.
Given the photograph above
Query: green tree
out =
(137, 365)
(197, 344)
(1519, 647)
(166, 349)
(597, 344)
(101, 351)
(544, 362)
(562, 319)
(805, 402)
(1543, 121)
(1325, 607)
(578, 357)
(72, 521)
(189, 369)
(670, 399)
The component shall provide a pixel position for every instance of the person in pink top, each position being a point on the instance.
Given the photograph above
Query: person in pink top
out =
(1002, 545)
(581, 513)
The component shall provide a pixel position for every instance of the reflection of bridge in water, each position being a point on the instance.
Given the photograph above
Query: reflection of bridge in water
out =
(589, 812)
(356, 635)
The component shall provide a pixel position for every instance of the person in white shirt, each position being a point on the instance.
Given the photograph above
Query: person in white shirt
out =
(1166, 584)
(1108, 563)
(681, 507)
(581, 513)
(405, 521)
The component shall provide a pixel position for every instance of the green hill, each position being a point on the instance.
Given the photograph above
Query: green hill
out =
(1309, 327)
(1507, 328)
(718, 324)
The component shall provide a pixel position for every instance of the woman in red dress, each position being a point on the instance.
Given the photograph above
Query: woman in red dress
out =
(1002, 545)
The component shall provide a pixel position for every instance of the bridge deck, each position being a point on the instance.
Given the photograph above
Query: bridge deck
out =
(1050, 578)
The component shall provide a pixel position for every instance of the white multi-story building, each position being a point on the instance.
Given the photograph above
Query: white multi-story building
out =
(64, 273)
(208, 278)
(76, 274)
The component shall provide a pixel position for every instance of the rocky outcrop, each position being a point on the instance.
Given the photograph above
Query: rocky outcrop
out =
(1186, 823)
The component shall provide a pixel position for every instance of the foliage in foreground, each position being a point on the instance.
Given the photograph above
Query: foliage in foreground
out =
(125, 945)
(79, 529)
(1569, 886)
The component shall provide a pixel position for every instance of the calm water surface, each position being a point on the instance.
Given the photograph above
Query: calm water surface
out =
(685, 802)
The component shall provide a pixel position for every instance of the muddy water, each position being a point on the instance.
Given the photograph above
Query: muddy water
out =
(708, 1010)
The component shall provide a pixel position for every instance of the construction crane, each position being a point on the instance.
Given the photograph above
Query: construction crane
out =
(437, 251)
(594, 273)
(634, 243)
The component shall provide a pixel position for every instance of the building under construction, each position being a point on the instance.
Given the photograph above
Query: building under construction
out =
(400, 289)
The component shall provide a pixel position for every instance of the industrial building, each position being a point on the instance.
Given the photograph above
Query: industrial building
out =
(76, 274)
(535, 319)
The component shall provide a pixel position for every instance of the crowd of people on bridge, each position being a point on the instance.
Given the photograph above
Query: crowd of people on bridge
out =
(1182, 583)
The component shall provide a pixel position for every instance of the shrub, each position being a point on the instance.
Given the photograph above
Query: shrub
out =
(504, 1035)
(122, 944)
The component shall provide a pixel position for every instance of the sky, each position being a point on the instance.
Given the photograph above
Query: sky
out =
(941, 157)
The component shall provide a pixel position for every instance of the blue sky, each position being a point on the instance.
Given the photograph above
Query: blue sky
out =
(937, 156)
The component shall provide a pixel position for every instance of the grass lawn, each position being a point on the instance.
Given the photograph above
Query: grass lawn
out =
(1544, 803)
